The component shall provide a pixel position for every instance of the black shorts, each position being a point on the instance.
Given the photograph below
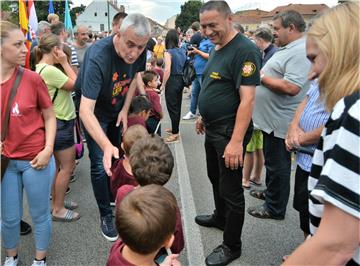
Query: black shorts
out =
(301, 198)
(64, 134)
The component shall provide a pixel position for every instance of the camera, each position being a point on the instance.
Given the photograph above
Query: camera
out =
(191, 47)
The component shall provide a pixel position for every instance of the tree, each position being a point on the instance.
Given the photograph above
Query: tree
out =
(9, 11)
(41, 7)
(76, 10)
(189, 14)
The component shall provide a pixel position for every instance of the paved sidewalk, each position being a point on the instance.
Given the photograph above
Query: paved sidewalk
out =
(81, 242)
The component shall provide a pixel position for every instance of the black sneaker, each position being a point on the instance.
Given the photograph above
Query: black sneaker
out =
(108, 229)
(221, 256)
(25, 228)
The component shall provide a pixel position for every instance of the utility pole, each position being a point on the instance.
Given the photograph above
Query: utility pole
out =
(108, 15)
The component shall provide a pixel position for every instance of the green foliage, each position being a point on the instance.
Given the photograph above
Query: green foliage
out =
(7, 11)
(189, 14)
(76, 10)
(41, 10)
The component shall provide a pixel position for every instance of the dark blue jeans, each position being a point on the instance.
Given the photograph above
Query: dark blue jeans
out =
(227, 184)
(99, 179)
(278, 169)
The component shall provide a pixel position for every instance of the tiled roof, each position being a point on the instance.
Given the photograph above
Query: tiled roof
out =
(303, 9)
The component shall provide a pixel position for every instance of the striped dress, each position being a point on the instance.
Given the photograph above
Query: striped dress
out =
(335, 172)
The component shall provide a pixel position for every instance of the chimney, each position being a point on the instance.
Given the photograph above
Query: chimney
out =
(122, 8)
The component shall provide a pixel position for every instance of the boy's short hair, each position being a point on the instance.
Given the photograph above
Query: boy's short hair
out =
(159, 62)
(146, 218)
(151, 161)
(118, 16)
(131, 135)
(148, 76)
(139, 104)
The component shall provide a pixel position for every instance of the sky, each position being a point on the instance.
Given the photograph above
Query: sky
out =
(161, 10)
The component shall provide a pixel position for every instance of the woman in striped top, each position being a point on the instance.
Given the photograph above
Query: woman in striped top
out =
(334, 182)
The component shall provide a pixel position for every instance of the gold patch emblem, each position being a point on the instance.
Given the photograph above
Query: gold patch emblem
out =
(248, 69)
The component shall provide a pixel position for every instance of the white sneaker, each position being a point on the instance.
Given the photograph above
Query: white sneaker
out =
(10, 261)
(38, 263)
(189, 116)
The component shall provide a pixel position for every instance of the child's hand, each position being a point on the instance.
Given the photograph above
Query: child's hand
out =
(171, 260)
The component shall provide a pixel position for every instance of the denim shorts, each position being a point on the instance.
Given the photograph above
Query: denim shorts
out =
(64, 134)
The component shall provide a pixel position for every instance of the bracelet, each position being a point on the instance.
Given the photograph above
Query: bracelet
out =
(143, 94)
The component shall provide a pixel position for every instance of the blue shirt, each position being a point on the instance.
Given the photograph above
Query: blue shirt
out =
(313, 116)
(178, 58)
(199, 62)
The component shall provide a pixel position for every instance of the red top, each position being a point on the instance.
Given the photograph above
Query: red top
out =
(120, 176)
(178, 244)
(115, 257)
(26, 129)
(136, 120)
(154, 99)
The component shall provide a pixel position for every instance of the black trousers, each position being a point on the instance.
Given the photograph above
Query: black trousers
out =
(278, 169)
(227, 184)
(301, 198)
(173, 97)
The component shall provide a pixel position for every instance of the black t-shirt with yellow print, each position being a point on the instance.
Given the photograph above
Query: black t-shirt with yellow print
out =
(237, 63)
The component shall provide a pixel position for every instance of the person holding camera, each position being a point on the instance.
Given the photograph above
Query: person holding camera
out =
(201, 55)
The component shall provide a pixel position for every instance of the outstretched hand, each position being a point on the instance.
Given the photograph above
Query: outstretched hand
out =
(122, 118)
(110, 151)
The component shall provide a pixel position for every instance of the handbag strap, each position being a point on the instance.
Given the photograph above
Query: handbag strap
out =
(4, 126)
(56, 91)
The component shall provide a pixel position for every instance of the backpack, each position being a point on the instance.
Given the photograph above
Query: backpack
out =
(189, 73)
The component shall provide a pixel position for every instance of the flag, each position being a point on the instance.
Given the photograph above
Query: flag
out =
(23, 17)
(51, 8)
(33, 21)
(24, 25)
(67, 21)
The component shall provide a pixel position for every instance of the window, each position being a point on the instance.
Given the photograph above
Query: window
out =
(105, 14)
(102, 27)
(95, 14)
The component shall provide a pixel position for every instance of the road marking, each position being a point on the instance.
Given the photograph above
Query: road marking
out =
(193, 241)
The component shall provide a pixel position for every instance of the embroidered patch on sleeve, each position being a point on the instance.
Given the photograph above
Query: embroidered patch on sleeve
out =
(248, 69)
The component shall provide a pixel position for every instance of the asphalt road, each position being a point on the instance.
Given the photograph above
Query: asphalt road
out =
(81, 242)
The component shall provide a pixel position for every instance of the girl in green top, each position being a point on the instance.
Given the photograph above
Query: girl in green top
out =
(49, 53)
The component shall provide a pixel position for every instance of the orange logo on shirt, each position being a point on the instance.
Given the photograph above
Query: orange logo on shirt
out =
(115, 76)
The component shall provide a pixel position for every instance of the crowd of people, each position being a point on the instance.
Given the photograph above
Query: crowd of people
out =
(287, 88)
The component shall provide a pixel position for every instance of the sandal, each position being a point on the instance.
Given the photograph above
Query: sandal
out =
(70, 216)
(246, 187)
(262, 213)
(168, 131)
(70, 205)
(253, 182)
(174, 138)
(259, 194)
